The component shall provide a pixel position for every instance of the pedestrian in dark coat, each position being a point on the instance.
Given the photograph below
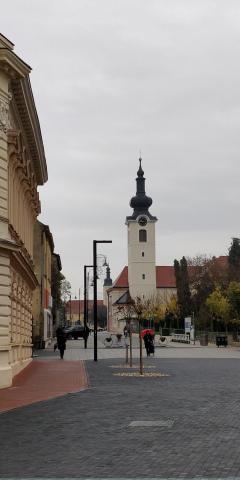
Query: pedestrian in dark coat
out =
(149, 343)
(86, 335)
(147, 340)
(61, 341)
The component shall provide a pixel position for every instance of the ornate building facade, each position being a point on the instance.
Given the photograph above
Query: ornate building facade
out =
(22, 168)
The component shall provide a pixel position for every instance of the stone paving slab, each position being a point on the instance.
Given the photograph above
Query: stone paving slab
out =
(43, 380)
(87, 434)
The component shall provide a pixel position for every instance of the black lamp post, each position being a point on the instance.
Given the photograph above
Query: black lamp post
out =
(85, 302)
(95, 242)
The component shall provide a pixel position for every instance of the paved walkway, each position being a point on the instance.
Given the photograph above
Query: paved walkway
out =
(184, 425)
(75, 350)
(43, 380)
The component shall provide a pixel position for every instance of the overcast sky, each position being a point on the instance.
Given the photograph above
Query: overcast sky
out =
(113, 77)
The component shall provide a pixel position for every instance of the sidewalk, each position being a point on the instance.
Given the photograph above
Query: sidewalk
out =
(43, 380)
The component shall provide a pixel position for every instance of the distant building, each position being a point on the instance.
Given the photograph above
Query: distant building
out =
(42, 295)
(75, 311)
(22, 168)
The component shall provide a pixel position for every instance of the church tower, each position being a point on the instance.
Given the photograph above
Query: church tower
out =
(141, 243)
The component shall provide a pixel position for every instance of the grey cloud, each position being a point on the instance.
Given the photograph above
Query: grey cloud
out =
(111, 78)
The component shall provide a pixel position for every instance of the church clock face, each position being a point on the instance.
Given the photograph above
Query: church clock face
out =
(142, 221)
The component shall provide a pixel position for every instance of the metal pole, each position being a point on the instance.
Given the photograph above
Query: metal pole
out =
(194, 335)
(95, 298)
(130, 342)
(140, 346)
(87, 297)
(85, 303)
(126, 353)
(79, 308)
(95, 242)
(70, 308)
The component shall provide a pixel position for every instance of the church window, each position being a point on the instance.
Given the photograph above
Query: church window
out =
(142, 235)
(143, 276)
(142, 254)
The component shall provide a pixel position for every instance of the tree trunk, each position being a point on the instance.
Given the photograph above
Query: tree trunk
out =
(130, 345)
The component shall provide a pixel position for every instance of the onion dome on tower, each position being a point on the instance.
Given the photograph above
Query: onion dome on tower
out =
(140, 203)
(107, 280)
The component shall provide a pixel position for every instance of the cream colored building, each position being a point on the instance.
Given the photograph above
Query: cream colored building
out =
(22, 169)
(141, 278)
(42, 295)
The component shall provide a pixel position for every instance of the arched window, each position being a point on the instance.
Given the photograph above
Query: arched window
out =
(142, 235)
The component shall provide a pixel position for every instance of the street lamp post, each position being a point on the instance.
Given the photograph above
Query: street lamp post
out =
(70, 307)
(79, 306)
(85, 302)
(95, 242)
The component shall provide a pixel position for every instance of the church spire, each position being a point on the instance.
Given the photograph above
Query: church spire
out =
(140, 172)
(140, 203)
(107, 280)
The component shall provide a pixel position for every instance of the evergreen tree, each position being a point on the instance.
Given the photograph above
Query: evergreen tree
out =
(183, 289)
(178, 283)
(186, 294)
(234, 259)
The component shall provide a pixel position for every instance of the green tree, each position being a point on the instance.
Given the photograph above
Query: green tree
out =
(205, 275)
(178, 283)
(183, 289)
(234, 259)
(186, 294)
(219, 306)
(65, 290)
(56, 288)
(233, 294)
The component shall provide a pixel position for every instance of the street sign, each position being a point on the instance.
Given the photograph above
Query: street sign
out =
(187, 324)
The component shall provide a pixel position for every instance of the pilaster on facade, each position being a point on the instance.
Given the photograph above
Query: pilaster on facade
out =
(22, 169)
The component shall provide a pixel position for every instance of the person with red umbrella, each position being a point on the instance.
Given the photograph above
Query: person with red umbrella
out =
(148, 336)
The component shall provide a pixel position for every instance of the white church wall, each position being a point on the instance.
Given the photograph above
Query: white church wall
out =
(141, 260)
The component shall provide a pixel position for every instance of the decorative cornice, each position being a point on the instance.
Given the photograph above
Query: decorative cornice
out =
(24, 100)
(4, 112)
(18, 72)
(22, 248)
(25, 268)
(12, 64)
(19, 161)
(9, 245)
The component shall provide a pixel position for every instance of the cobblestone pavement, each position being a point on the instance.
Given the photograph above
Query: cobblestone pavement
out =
(90, 434)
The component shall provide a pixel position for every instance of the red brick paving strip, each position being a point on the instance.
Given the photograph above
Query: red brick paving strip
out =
(42, 380)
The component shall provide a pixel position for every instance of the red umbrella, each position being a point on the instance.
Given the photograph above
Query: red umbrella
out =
(147, 330)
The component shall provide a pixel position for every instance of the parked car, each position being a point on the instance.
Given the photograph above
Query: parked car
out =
(74, 332)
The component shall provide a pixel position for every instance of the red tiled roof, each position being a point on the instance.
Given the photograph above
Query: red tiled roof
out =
(75, 306)
(222, 260)
(165, 277)
(122, 279)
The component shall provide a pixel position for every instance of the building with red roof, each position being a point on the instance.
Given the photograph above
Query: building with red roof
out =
(141, 278)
